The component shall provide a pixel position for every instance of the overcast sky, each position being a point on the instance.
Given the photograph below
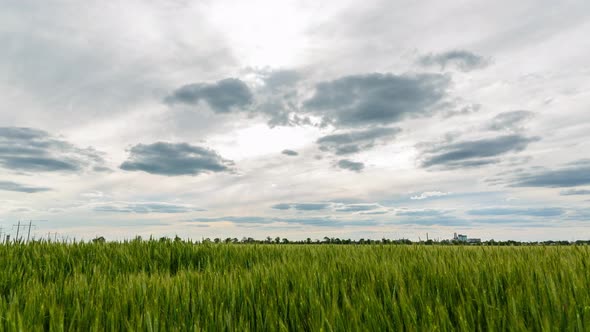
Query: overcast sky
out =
(350, 119)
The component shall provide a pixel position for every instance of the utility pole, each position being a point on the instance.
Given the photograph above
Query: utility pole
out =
(17, 230)
(29, 233)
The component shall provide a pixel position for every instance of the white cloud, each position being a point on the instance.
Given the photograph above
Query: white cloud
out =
(428, 194)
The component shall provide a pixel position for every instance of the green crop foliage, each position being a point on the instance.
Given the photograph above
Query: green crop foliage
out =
(179, 286)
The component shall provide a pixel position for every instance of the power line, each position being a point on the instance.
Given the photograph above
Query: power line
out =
(31, 225)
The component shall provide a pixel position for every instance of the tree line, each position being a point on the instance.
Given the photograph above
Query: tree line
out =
(335, 240)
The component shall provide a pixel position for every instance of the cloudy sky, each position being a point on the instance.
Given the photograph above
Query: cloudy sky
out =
(350, 119)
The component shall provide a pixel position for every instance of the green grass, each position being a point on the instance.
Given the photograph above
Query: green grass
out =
(155, 286)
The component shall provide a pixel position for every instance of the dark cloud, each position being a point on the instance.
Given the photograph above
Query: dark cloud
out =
(33, 150)
(146, 208)
(351, 165)
(509, 121)
(288, 152)
(278, 99)
(460, 59)
(18, 187)
(572, 192)
(275, 97)
(281, 206)
(474, 153)
(532, 212)
(302, 206)
(470, 163)
(377, 99)
(222, 96)
(356, 141)
(573, 175)
(280, 110)
(174, 159)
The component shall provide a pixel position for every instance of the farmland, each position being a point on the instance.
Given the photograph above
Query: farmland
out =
(162, 286)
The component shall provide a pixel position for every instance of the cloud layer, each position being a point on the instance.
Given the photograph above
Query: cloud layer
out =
(509, 121)
(356, 141)
(351, 165)
(19, 187)
(34, 150)
(570, 176)
(174, 159)
(474, 153)
(533, 212)
(223, 96)
(377, 99)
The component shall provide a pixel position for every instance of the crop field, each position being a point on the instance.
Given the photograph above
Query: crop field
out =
(179, 286)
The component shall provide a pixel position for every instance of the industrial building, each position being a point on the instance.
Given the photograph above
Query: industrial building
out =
(464, 238)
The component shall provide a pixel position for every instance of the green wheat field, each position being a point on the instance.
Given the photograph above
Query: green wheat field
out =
(180, 286)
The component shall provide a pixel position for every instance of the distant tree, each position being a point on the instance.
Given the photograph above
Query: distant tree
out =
(277, 240)
(248, 240)
(217, 240)
(285, 240)
(99, 239)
